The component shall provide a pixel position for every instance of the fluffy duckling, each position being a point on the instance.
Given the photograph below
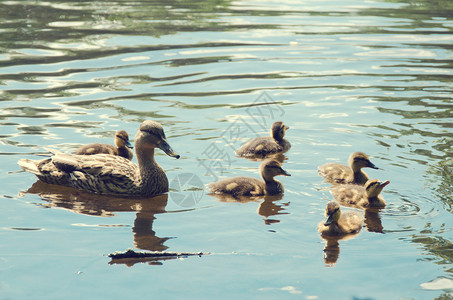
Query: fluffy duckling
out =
(247, 186)
(108, 174)
(123, 147)
(361, 196)
(337, 173)
(263, 146)
(338, 223)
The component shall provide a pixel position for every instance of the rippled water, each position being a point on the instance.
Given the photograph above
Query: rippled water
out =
(371, 76)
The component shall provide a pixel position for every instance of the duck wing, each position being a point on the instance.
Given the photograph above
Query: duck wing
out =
(99, 173)
(336, 173)
(104, 174)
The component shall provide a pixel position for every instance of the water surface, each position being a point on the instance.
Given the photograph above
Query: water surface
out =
(370, 76)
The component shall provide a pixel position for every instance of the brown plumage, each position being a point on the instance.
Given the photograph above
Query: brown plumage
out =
(337, 173)
(360, 196)
(263, 146)
(108, 174)
(338, 223)
(247, 186)
(122, 147)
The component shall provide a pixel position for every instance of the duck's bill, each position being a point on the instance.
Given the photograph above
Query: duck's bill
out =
(371, 165)
(328, 220)
(285, 173)
(129, 145)
(168, 150)
(383, 184)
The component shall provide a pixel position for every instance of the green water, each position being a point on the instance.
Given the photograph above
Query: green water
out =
(371, 76)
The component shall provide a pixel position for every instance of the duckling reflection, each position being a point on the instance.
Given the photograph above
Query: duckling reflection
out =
(247, 186)
(267, 208)
(123, 147)
(361, 196)
(337, 173)
(106, 206)
(271, 207)
(264, 146)
(331, 251)
(373, 221)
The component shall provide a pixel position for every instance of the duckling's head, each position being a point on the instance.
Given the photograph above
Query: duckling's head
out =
(278, 130)
(151, 135)
(122, 139)
(271, 168)
(374, 187)
(358, 160)
(332, 213)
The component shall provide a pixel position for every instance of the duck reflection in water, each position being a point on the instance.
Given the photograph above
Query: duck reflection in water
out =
(268, 207)
(106, 206)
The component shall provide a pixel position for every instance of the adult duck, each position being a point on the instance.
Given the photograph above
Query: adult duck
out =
(108, 174)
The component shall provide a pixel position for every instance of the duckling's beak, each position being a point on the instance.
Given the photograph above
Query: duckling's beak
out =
(167, 149)
(128, 145)
(286, 127)
(329, 219)
(371, 165)
(383, 184)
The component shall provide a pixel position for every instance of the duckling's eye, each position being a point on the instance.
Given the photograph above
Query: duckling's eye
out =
(372, 184)
(362, 159)
(121, 138)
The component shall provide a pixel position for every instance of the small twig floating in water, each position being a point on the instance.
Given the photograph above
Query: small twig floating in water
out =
(133, 257)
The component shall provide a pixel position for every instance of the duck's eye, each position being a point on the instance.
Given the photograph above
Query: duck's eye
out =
(361, 159)
(370, 185)
(147, 131)
(122, 138)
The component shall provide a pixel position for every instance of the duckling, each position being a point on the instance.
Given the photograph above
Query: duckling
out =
(263, 146)
(338, 223)
(361, 196)
(337, 173)
(247, 186)
(108, 174)
(123, 147)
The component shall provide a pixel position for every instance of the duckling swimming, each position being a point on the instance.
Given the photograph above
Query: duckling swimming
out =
(361, 196)
(338, 223)
(247, 186)
(263, 146)
(108, 174)
(122, 147)
(337, 173)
